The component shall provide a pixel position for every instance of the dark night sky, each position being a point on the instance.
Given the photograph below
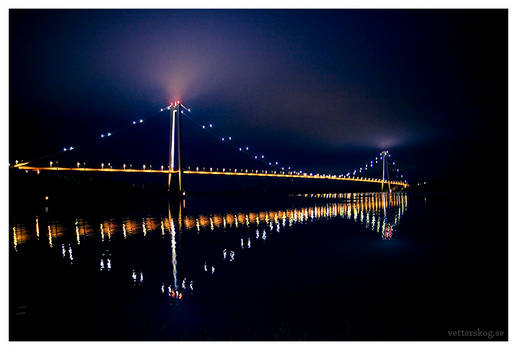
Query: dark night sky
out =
(315, 88)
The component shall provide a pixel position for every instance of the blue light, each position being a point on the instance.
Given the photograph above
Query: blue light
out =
(229, 138)
(262, 156)
(247, 148)
(222, 138)
(210, 125)
(240, 149)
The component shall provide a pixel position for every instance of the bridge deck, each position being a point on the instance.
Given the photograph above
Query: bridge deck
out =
(253, 173)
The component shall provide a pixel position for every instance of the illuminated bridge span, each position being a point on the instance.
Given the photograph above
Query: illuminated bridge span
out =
(175, 168)
(262, 173)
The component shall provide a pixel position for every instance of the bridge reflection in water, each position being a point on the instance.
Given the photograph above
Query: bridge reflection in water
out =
(185, 235)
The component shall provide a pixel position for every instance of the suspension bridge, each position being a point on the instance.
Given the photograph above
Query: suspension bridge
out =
(178, 111)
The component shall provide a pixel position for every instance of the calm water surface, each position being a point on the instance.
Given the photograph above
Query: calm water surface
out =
(329, 266)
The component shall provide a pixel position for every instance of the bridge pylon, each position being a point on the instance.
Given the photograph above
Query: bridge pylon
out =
(175, 146)
(385, 172)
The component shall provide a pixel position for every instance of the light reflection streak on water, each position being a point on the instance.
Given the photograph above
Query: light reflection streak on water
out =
(49, 236)
(77, 236)
(173, 249)
(15, 239)
(371, 211)
(367, 208)
(37, 227)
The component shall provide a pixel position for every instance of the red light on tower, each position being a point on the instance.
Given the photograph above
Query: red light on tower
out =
(178, 102)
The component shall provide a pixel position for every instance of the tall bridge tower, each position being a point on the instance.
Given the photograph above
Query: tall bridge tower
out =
(385, 172)
(175, 144)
